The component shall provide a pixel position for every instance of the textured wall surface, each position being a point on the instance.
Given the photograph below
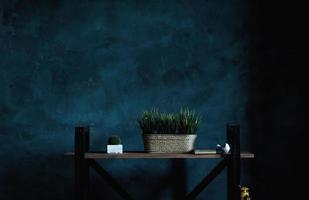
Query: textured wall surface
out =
(101, 63)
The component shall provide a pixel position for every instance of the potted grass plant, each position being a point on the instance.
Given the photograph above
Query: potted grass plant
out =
(169, 132)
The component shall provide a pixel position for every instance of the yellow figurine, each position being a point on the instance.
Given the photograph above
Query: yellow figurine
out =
(244, 193)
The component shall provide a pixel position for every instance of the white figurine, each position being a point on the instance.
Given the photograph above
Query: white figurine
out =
(225, 149)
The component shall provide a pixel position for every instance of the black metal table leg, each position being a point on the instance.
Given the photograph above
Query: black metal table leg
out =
(178, 178)
(233, 166)
(81, 164)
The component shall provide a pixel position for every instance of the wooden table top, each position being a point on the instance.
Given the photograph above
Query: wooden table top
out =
(145, 155)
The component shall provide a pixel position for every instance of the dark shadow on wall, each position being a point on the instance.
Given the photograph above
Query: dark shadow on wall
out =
(37, 177)
(275, 108)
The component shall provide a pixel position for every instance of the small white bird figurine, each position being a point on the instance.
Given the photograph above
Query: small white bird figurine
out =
(225, 149)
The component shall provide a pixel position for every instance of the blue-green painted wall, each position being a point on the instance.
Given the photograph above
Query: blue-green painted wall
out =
(65, 63)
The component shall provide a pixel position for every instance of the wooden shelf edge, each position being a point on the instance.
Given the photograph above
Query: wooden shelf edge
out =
(143, 155)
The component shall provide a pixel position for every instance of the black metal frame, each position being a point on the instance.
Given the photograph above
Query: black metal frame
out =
(231, 161)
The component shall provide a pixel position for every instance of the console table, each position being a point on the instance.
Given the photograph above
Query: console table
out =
(86, 159)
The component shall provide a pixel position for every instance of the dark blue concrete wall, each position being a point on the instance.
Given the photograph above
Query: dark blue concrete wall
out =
(65, 63)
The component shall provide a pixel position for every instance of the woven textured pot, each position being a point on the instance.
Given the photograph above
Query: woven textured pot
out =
(168, 143)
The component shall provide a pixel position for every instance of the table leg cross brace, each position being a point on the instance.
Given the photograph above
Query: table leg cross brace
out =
(106, 176)
(208, 179)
